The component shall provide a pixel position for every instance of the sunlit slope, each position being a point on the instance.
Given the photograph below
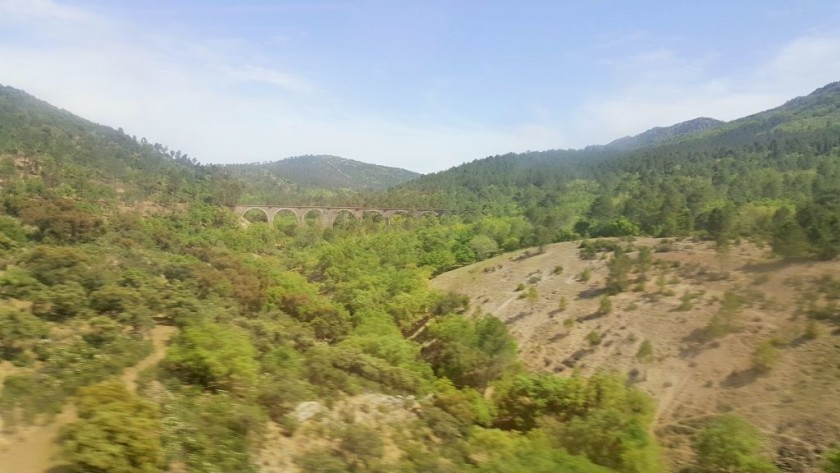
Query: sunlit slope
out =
(773, 363)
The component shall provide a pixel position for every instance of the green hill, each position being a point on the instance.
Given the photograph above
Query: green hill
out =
(266, 182)
(76, 158)
(659, 135)
(190, 340)
(728, 179)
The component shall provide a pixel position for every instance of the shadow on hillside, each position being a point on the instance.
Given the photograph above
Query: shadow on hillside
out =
(517, 318)
(557, 337)
(770, 266)
(592, 316)
(573, 360)
(799, 341)
(695, 342)
(61, 469)
(697, 336)
(739, 379)
(591, 293)
(526, 255)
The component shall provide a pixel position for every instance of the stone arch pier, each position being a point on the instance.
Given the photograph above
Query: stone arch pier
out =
(327, 215)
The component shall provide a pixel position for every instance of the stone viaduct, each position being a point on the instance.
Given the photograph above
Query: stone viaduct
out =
(327, 215)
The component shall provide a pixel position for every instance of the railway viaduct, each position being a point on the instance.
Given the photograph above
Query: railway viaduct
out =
(327, 215)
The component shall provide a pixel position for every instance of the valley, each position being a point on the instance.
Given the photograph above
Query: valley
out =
(667, 302)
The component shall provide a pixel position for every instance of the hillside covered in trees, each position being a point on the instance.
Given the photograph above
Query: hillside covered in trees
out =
(313, 179)
(773, 176)
(161, 332)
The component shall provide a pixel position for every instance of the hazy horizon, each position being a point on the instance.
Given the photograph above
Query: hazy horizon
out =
(422, 86)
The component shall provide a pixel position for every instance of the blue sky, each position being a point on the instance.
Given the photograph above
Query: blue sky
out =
(424, 85)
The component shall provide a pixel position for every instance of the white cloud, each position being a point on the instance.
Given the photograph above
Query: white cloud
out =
(270, 76)
(42, 10)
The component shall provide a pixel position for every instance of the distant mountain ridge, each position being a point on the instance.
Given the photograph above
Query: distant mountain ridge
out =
(325, 171)
(808, 125)
(658, 135)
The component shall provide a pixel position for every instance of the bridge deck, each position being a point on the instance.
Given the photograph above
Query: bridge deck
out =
(334, 207)
(327, 214)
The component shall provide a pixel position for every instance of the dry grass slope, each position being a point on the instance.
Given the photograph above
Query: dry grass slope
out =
(795, 401)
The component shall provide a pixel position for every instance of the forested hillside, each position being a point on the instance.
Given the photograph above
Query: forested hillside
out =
(773, 176)
(659, 135)
(116, 254)
(313, 179)
(286, 348)
(75, 158)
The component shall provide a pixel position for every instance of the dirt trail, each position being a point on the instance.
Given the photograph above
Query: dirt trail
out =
(159, 337)
(33, 450)
(667, 402)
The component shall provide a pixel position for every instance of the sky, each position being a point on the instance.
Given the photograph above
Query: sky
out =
(424, 85)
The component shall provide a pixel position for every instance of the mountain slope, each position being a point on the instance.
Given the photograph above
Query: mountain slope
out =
(773, 177)
(325, 171)
(813, 119)
(659, 135)
(273, 330)
(94, 161)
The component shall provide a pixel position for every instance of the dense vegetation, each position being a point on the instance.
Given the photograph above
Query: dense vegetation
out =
(313, 179)
(266, 317)
(771, 177)
(270, 316)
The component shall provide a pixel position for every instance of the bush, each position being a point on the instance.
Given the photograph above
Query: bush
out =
(832, 461)
(19, 331)
(729, 444)
(321, 460)
(685, 302)
(585, 275)
(562, 304)
(645, 353)
(60, 302)
(765, 356)
(214, 356)
(361, 447)
(117, 432)
(605, 305)
(812, 330)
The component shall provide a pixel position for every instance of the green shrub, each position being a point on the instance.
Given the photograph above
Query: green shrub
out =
(605, 305)
(729, 444)
(645, 353)
(765, 356)
(214, 356)
(585, 275)
(832, 461)
(562, 304)
(116, 432)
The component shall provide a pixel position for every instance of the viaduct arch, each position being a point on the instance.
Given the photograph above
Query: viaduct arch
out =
(327, 215)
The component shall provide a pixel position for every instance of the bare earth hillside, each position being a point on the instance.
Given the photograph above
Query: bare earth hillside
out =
(792, 394)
